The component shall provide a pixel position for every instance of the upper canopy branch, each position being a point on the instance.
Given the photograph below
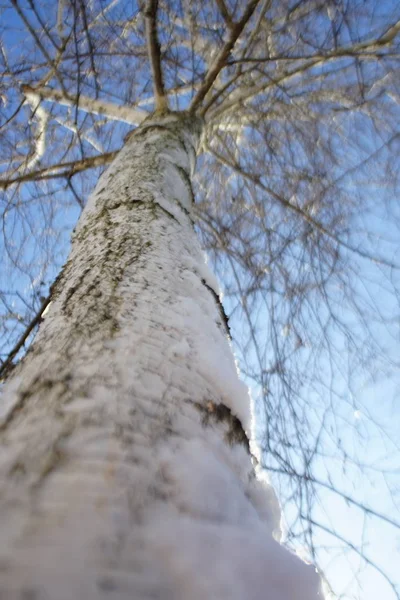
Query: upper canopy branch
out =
(154, 52)
(225, 13)
(367, 49)
(256, 180)
(223, 55)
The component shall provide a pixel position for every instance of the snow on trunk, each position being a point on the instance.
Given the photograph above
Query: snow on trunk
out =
(124, 465)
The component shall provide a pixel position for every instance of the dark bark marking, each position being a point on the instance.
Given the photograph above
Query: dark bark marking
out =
(220, 413)
(106, 584)
(187, 182)
(35, 387)
(221, 309)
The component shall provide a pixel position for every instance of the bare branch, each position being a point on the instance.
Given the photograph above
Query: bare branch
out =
(293, 207)
(154, 52)
(223, 55)
(225, 13)
(134, 116)
(7, 364)
(40, 139)
(52, 63)
(67, 169)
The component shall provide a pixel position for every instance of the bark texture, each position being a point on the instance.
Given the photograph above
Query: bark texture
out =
(123, 464)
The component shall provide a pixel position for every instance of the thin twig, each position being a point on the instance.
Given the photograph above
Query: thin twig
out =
(360, 553)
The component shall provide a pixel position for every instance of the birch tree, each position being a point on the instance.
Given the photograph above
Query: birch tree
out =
(265, 133)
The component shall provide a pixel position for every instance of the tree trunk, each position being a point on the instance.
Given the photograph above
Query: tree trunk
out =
(124, 462)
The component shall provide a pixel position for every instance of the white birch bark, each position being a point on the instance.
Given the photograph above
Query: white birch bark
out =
(113, 111)
(123, 463)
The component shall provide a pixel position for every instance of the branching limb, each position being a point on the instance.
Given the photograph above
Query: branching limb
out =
(371, 50)
(53, 64)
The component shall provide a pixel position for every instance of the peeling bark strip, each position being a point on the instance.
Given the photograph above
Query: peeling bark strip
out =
(112, 480)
